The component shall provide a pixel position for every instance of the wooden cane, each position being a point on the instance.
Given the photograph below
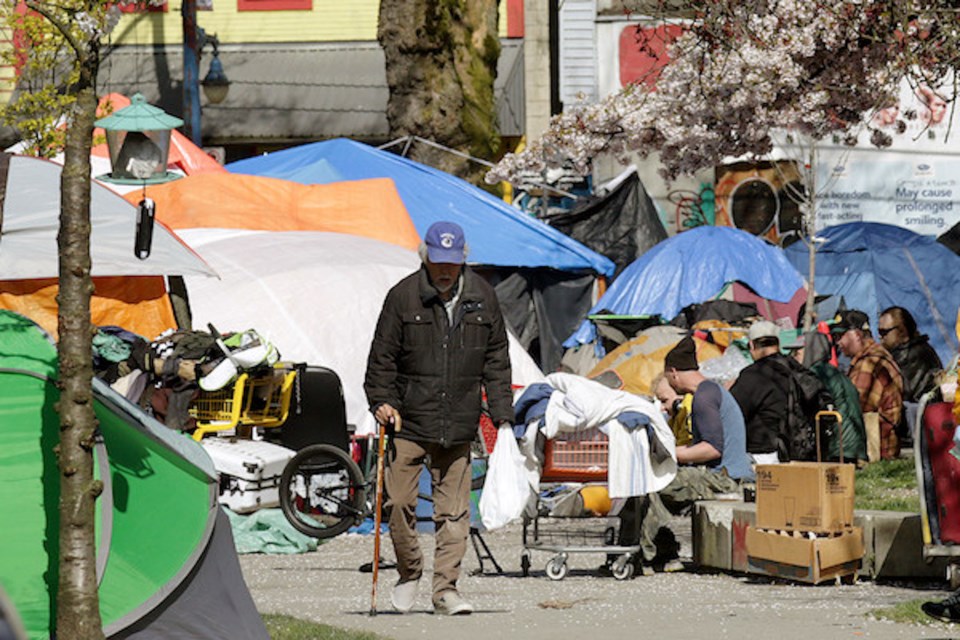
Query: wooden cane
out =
(377, 516)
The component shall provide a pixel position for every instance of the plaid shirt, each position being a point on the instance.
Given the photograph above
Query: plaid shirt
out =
(877, 378)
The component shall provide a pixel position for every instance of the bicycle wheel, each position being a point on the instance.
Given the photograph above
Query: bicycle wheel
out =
(322, 491)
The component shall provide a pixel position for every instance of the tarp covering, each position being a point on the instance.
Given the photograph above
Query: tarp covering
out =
(951, 238)
(369, 208)
(875, 266)
(31, 219)
(623, 225)
(316, 296)
(138, 303)
(159, 496)
(543, 306)
(770, 309)
(29, 259)
(640, 359)
(498, 234)
(268, 531)
(692, 267)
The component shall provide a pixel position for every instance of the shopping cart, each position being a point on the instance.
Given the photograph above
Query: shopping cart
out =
(579, 457)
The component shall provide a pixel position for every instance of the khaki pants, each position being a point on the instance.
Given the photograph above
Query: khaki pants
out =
(450, 476)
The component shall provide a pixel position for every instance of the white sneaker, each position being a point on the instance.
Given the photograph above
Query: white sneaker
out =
(451, 603)
(673, 566)
(404, 595)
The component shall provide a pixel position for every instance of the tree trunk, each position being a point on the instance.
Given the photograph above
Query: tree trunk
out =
(441, 62)
(78, 609)
(810, 230)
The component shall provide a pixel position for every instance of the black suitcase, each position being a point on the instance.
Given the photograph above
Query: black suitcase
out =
(317, 413)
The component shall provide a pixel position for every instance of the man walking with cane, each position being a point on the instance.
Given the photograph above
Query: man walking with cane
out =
(440, 343)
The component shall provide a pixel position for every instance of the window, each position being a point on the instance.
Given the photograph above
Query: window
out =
(274, 5)
(141, 6)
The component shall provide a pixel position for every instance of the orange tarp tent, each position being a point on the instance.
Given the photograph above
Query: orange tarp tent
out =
(137, 303)
(370, 208)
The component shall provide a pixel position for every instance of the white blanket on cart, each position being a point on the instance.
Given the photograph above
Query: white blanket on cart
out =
(579, 404)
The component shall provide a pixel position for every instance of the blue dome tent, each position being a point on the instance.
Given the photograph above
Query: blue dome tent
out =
(875, 266)
(690, 268)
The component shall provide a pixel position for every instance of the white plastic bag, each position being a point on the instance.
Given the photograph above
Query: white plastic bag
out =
(505, 490)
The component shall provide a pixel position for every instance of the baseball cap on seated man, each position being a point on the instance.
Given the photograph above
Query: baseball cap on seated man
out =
(763, 329)
(850, 319)
(445, 243)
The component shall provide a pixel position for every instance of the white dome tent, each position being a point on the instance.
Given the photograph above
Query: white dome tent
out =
(315, 295)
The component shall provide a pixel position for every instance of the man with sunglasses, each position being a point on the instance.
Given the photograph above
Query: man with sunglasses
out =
(918, 361)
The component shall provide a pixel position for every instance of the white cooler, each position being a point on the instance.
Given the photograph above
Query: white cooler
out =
(249, 471)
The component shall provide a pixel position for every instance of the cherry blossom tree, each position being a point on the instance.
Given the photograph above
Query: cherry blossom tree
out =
(744, 73)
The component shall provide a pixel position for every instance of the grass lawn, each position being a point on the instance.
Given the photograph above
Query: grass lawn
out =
(888, 485)
(905, 612)
(289, 628)
(891, 485)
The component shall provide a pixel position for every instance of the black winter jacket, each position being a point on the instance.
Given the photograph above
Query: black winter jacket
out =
(919, 364)
(432, 372)
(761, 391)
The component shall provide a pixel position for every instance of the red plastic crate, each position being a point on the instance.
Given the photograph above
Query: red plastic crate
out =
(576, 457)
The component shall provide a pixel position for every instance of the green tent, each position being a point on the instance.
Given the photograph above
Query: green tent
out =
(163, 547)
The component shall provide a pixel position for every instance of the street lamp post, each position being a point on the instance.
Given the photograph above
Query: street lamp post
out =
(191, 71)
(215, 85)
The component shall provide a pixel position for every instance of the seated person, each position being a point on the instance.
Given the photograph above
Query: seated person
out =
(714, 463)
(761, 390)
(677, 408)
(875, 374)
(918, 361)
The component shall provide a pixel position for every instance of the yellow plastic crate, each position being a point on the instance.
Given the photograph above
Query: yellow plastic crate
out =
(262, 400)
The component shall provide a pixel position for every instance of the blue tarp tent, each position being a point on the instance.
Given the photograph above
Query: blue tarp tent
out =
(498, 234)
(875, 266)
(693, 267)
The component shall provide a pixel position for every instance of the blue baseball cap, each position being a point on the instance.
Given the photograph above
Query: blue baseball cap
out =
(445, 243)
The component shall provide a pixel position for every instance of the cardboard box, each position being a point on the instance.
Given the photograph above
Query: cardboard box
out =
(802, 559)
(805, 496)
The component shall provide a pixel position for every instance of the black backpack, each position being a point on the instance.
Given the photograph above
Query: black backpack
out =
(806, 396)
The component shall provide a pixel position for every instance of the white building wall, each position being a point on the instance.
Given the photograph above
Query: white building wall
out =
(536, 61)
(578, 46)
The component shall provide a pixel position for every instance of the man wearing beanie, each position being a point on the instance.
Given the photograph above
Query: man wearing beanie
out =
(713, 463)
(719, 435)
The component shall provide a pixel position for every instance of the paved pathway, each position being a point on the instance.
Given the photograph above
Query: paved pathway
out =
(326, 586)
